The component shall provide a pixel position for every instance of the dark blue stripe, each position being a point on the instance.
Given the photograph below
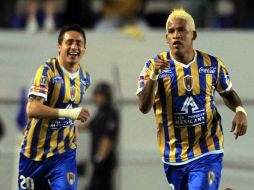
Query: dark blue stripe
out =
(161, 91)
(67, 140)
(59, 103)
(148, 63)
(174, 93)
(47, 142)
(202, 83)
(35, 138)
(191, 129)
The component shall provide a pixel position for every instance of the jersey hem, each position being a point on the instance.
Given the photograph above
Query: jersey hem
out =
(188, 161)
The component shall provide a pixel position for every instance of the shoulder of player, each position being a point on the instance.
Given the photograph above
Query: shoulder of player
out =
(49, 65)
(211, 57)
(85, 73)
(164, 54)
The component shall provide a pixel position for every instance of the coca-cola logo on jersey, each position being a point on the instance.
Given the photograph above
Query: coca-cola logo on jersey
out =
(207, 70)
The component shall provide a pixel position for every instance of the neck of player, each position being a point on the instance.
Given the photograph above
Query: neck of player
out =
(71, 67)
(184, 58)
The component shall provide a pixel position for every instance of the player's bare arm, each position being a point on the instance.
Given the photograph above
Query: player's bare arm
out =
(239, 123)
(36, 109)
(147, 95)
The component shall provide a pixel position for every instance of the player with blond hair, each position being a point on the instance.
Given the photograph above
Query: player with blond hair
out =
(180, 85)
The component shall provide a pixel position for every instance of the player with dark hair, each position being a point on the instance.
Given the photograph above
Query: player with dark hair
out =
(48, 146)
(104, 128)
(180, 85)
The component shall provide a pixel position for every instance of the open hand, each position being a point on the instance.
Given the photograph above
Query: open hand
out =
(239, 124)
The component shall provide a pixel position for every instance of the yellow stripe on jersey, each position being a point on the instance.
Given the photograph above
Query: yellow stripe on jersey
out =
(77, 86)
(180, 83)
(29, 138)
(197, 150)
(196, 82)
(41, 140)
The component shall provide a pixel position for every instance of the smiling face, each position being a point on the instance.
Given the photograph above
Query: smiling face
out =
(72, 47)
(180, 38)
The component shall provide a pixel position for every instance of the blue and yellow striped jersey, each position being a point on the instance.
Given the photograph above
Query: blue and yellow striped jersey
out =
(45, 137)
(188, 123)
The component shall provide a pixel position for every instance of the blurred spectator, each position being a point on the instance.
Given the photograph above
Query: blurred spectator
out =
(244, 13)
(156, 11)
(38, 14)
(32, 9)
(21, 118)
(104, 129)
(119, 13)
(80, 12)
(225, 13)
(1, 129)
(6, 12)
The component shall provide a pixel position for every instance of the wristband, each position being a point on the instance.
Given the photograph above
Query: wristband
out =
(69, 113)
(241, 109)
(153, 75)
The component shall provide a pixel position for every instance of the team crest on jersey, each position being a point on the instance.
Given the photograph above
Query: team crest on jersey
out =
(71, 178)
(211, 177)
(73, 93)
(188, 82)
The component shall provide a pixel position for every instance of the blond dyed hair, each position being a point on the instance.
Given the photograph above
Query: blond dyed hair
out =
(182, 14)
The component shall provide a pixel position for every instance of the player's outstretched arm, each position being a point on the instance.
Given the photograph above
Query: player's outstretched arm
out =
(239, 124)
(147, 95)
(36, 109)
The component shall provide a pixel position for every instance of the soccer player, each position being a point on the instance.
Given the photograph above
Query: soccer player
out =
(180, 85)
(48, 147)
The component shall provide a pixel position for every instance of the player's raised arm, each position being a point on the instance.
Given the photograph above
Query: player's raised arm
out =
(147, 95)
(36, 109)
(239, 123)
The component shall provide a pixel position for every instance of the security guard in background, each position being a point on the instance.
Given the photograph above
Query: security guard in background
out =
(104, 127)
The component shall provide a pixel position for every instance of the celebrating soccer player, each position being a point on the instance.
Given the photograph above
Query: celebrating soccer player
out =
(48, 147)
(180, 85)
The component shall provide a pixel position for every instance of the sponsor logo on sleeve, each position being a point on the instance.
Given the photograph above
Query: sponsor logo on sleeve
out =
(43, 80)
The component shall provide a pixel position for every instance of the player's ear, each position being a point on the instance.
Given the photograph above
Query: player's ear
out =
(194, 35)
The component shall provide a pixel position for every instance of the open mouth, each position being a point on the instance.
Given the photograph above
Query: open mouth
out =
(177, 43)
(73, 53)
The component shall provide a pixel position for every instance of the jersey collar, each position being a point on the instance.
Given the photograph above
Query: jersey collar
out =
(182, 64)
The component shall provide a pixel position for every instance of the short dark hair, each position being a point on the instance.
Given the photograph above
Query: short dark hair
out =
(104, 88)
(72, 27)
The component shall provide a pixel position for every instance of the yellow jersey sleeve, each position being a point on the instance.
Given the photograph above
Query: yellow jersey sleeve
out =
(40, 83)
(224, 83)
(144, 75)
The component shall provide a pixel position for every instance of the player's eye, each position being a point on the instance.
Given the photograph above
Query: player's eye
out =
(170, 31)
